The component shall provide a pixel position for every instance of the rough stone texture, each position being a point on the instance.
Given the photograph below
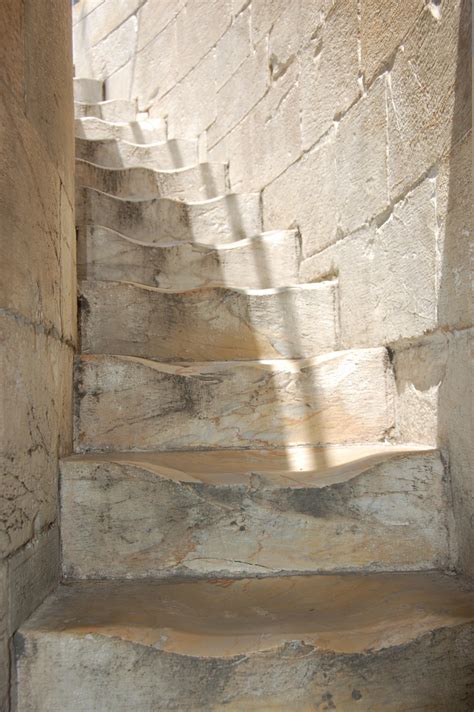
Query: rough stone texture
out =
(429, 93)
(111, 153)
(156, 68)
(202, 513)
(293, 200)
(387, 280)
(127, 403)
(210, 324)
(112, 110)
(267, 260)
(287, 644)
(233, 48)
(88, 90)
(212, 17)
(200, 182)
(323, 86)
(152, 131)
(223, 219)
(37, 300)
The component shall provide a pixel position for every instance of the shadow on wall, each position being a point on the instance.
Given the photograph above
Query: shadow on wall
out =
(455, 303)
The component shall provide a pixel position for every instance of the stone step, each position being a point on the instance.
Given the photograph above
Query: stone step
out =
(390, 642)
(139, 132)
(163, 220)
(111, 153)
(244, 512)
(89, 91)
(128, 403)
(111, 110)
(270, 259)
(210, 323)
(199, 182)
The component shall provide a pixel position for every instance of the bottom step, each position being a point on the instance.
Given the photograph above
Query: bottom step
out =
(338, 642)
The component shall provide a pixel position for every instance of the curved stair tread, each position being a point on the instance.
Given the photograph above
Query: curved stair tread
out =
(345, 614)
(137, 132)
(115, 153)
(108, 110)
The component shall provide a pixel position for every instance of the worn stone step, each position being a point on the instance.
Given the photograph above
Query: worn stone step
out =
(391, 642)
(210, 323)
(127, 403)
(112, 153)
(199, 182)
(88, 91)
(163, 220)
(246, 512)
(140, 132)
(270, 259)
(111, 110)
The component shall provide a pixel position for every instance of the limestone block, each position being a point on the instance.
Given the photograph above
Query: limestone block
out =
(209, 324)
(88, 90)
(68, 269)
(264, 16)
(233, 48)
(454, 191)
(111, 153)
(119, 85)
(305, 195)
(33, 572)
(456, 423)
(106, 18)
(83, 8)
(288, 643)
(361, 160)
(190, 107)
(284, 40)
(156, 67)
(112, 52)
(154, 16)
(126, 403)
(147, 131)
(200, 24)
(36, 426)
(241, 93)
(267, 260)
(49, 72)
(422, 100)
(311, 17)
(201, 513)
(12, 50)
(387, 277)
(224, 219)
(114, 110)
(383, 28)
(327, 92)
(200, 182)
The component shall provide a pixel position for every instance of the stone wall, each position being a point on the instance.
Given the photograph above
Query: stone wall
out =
(354, 119)
(37, 308)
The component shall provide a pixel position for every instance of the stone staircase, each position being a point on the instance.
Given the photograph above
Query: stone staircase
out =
(237, 530)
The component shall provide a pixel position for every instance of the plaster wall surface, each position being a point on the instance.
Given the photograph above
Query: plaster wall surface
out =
(37, 300)
(353, 117)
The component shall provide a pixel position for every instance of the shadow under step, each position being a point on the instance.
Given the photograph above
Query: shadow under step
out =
(387, 642)
(112, 153)
(139, 132)
(246, 512)
(111, 110)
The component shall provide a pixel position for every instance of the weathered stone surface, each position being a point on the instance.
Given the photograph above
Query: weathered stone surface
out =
(200, 182)
(383, 28)
(112, 110)
(12, 50)
(119, 85)
(361, 149)
(210, 324)
(156, 68)
(241, 93)
(111, 153)
(83, 8)
(106, 18)
(212, 17)
(4, 643)
(33, 572)
(264, 16)
(278, 644)
(88, 90)
(154, 16)
(223, 219)
(233, 48)
(387, 279)
(108, 55)
(134, 514)
(67, 269)
(127, 403)
(327, 92)
(454, 191)
(429, 93)
(267, 260)
(292, 199)
(35, 422)
(142, 132)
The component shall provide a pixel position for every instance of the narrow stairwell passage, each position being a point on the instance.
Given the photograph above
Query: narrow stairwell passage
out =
(237, 530)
